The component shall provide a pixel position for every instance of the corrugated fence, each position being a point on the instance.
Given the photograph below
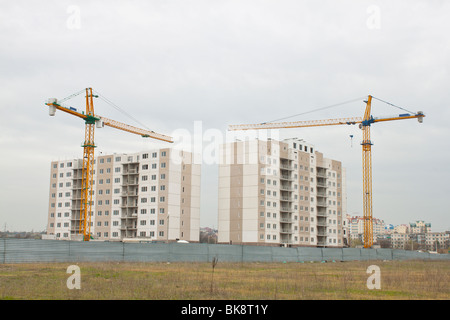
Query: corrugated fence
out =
(29, 251)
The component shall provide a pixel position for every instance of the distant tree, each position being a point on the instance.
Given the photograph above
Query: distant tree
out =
(385, 243)
(355, 243)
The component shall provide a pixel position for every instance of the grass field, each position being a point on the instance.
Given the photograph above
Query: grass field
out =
(400, 280)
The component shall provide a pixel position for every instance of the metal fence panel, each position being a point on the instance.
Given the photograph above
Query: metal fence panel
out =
(95, 251)
(257, 254)
(350, 254)
(146, 252)
(330, 254)
(384, 254)
(188, 252)
(284, 254)
(309, 254)
(28, 250)
(225, 252)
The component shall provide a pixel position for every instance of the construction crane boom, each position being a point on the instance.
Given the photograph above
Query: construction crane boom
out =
(364, 124)
(91, 121)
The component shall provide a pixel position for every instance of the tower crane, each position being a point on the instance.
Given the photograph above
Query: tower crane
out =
(91, 121)
(364, 124)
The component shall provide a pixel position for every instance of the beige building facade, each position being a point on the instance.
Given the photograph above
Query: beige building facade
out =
(280, 193)
(152, 195)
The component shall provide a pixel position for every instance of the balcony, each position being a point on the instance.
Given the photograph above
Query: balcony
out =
(321, 194)
(321, 175)
(285, 188)
(321, 213)
(126, 228)
(130, 182)
(286, 231)
(286, 167)
(286, 209)
(286, 177)
(286, 220)
(321, 204)
(286, 241)
(321, 243)
(130, 171)
(322, 184)
(129, 194)
(321, 223)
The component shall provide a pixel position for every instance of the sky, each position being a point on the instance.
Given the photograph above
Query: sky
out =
(197, 66)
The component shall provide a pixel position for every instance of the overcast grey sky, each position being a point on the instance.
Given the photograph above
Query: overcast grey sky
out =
(172, 63)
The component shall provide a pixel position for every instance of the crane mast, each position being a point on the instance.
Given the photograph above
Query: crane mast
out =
(367, 177)
(87, 171)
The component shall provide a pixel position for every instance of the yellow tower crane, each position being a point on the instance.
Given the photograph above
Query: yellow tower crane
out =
(364, 124)
(91, 121)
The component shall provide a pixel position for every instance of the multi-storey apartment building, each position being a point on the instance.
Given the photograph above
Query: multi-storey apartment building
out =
(419, 226)
(280, 193)
(356, 228)
(152, 195)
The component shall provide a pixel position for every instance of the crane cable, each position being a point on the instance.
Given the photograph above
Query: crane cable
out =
(336, 105)
(71, 96)
(108, 102)
(119, 109)
(393, 105)
(317, 109)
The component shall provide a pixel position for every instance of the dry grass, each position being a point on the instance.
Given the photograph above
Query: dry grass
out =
(400, 280)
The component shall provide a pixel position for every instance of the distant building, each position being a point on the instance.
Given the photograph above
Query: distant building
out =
(152, 195)
(403, 228)
(356, 227)
(437, 240)
(399, 240)
(420, 227)
(388, 228)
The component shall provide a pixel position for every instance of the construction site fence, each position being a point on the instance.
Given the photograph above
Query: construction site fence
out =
(38, 251)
